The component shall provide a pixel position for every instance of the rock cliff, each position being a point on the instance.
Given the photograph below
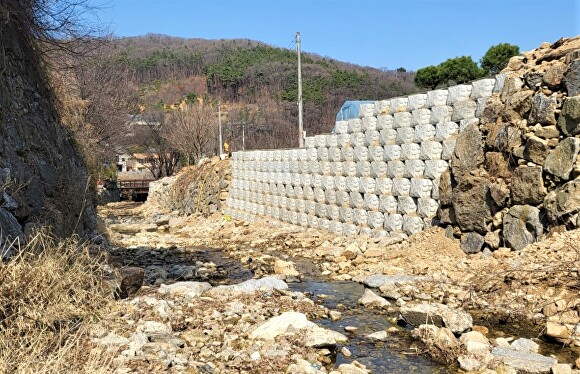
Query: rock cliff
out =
(43, 180)
(522, 172)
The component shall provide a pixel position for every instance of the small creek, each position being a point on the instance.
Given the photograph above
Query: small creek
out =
(391, 356)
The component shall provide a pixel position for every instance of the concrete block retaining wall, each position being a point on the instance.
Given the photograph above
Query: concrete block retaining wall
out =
(376, 175)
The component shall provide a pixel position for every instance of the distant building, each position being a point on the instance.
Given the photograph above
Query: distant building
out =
(133, 166)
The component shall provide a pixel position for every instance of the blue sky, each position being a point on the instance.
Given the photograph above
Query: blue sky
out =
(378, 33)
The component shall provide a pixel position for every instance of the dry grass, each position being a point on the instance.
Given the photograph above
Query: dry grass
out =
(51, 293)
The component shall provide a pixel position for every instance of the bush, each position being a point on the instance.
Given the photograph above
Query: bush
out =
(459, 69)
(497, 57)
(428, 77)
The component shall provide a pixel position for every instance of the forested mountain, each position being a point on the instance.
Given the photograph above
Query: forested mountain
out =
(256, 83)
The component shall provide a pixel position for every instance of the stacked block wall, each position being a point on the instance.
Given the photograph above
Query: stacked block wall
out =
(376, 175)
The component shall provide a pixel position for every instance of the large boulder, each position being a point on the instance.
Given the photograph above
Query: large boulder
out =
(524, 362)
(528, 185)
(563, 200)
(569, 120)
(472, 242)
(439, 315)
(560, 161)
(468, 153)
(543, 109)
(522, 226)
(472, 204)
(253, 285)
(572, 78)
(280, 324)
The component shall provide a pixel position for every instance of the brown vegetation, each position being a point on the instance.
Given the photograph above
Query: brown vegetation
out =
(51, 293)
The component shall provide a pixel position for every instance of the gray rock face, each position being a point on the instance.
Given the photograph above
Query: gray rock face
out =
(471, 202)
(439, 315)
(9, 226)
(572, 79)
(528, 185)
(543, 109)
(569, 120)
(524, 362)
(468, 154)
(50, 178)
(522, 226)
(562, 201)
(471, 242)
(560, 161)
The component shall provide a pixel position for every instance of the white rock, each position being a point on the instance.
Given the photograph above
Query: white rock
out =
(431, 150)
(420, 117)
(379, 336)
(184, 289)
(369, 298)
(278, 325)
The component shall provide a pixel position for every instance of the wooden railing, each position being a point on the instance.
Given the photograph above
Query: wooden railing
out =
(134, 184)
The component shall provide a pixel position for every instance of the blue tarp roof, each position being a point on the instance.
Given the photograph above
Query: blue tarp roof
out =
(350, 109)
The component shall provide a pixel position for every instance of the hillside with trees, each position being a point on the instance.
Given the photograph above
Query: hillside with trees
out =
(256, 84)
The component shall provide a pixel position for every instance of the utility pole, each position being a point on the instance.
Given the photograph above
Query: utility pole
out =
(244, 135)
(221, 151)
(300, 124)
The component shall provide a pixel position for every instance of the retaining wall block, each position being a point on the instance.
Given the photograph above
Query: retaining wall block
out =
(405, 135)
(354, 125)
(395, 169)
(417, 101)
(382, 107)
(461, 92)
(369, 123)
(401, 187)
(385, 121)
(420, 187)
(402, 119)
(384, 186)
(399, 104)
(436, 98)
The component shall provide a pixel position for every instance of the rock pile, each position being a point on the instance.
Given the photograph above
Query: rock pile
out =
(196, 189)
(514, 173)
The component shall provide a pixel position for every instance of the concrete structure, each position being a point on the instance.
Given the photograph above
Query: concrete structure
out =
(377, 174)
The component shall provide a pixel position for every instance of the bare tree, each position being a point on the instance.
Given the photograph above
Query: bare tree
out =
(192, 130)
(162, 157)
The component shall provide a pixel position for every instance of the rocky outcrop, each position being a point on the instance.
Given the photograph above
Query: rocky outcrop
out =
(43, 180)
(513, 174)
